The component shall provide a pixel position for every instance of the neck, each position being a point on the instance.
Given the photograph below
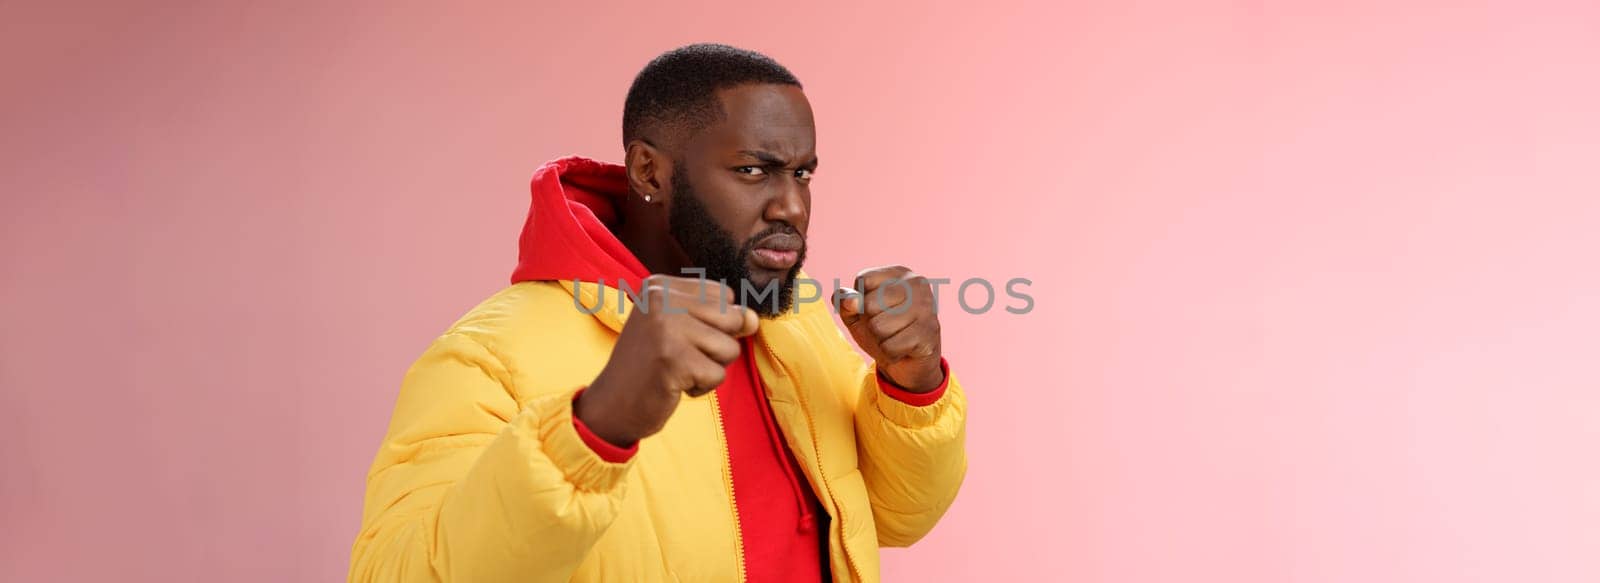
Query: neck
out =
(644, 232)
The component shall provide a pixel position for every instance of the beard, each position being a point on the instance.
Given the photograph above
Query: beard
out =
(714, 249)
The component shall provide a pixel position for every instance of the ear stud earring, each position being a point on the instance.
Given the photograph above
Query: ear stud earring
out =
(647, 198)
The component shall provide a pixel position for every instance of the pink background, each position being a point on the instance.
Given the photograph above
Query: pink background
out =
(1316, 286)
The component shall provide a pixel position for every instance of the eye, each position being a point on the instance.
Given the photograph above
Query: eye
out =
(803, 174)
(750, 170)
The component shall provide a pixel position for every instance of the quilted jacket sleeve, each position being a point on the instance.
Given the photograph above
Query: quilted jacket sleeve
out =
(468, 486)
(913, 458)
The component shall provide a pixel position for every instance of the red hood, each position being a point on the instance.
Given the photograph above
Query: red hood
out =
(568, 234)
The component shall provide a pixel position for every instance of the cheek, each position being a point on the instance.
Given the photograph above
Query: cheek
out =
(736, 207)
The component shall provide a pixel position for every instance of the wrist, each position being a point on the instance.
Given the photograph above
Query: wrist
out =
(924, 380)
(592, 412)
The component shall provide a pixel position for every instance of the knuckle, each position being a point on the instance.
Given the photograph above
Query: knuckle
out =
(665, 355)
(712, 377)
(688, 284)
(666, 283)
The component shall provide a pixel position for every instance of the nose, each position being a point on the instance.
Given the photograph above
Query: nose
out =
(790, 204)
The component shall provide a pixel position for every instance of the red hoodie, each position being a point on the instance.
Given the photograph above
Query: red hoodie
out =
(567, 236)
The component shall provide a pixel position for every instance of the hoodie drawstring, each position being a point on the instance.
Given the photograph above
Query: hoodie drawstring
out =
(808, 521)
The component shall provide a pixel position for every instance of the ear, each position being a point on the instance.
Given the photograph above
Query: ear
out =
(649, 171)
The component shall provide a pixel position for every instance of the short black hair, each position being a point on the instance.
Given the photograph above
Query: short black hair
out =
(679, 87)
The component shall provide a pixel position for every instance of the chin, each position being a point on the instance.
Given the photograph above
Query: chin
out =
(759, 280)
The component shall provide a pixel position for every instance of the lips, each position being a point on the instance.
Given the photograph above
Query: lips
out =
(778, 252)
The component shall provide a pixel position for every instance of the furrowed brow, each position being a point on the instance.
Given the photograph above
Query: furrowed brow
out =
(765, 157)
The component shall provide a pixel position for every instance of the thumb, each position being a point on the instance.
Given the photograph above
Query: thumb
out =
(849, 302)
(751, 323)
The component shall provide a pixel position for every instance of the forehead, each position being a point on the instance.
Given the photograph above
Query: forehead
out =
(773, 118)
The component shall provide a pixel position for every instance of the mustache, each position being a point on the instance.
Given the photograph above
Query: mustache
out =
(775, 229)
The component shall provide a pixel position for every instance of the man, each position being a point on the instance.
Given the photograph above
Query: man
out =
(573, 427)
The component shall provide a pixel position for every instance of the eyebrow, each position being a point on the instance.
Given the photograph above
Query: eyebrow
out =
(773, 160)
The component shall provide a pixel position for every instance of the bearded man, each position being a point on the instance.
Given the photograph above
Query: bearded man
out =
(607, 417)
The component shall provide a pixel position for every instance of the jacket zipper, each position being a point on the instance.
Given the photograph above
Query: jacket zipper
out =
(727, 480)
(816, 446)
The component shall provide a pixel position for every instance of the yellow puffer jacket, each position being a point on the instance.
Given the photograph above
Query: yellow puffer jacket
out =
(482, 476)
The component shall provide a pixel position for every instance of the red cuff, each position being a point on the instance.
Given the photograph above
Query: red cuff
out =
(916, 399)
(605, 449)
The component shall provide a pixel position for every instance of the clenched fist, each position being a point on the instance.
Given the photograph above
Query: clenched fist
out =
(892, 317)
(680, 338)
